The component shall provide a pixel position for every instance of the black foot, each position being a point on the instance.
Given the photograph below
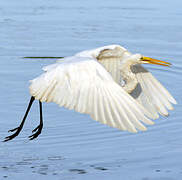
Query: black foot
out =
(38, 129)
(18, 129)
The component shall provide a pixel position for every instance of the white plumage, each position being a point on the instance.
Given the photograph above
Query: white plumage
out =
(109, 84)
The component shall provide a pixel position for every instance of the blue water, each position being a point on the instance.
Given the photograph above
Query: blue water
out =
(72, 146)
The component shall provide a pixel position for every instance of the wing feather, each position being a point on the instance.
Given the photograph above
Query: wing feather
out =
(101, 109)
(153, 95)
(96, 104)
(154, 98)
(87, 87)
(115, 116)
(160, 97)
(162, 89)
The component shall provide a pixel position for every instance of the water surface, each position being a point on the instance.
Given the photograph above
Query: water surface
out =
(72, 146)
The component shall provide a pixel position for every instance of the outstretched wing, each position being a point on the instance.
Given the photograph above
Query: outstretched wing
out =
(85, 86)
(151, 93)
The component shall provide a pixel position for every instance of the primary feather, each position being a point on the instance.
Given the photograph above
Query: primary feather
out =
(153, 95)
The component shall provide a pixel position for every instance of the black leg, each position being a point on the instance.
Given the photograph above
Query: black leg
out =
(38, 129)
(19, 128)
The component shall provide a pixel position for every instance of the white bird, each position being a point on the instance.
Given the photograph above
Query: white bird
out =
(108, 83)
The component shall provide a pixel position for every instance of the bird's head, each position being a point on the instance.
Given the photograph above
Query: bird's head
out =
(140, 59)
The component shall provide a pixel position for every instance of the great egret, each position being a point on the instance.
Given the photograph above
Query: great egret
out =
(108, 83)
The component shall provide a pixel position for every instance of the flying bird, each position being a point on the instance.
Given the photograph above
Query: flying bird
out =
(108, 83)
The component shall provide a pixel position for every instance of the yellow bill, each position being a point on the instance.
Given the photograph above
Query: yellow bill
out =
(154, 61)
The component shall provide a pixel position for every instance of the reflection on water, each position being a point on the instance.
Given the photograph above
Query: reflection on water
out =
(72, 146)
(51, 166)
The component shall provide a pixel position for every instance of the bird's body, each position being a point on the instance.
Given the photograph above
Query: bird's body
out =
(109, 84)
